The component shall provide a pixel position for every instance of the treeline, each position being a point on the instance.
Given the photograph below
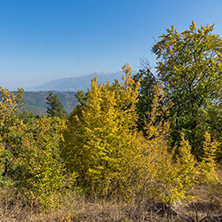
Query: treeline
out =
(151, 136)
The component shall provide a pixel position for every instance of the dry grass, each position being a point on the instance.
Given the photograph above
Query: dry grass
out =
(79, 208)
(206, 207)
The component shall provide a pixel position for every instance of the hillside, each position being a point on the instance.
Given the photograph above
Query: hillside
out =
(36, 101)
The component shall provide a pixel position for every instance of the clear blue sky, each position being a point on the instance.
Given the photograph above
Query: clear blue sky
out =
(43, 40)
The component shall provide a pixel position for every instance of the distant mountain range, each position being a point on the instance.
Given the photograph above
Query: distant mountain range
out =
(74, 84)
(35, 98)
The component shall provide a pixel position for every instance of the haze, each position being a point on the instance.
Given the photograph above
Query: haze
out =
(46, 40)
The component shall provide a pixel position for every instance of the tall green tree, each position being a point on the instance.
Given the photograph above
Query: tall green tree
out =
(190, 66)
(146, 94)
(55, 107)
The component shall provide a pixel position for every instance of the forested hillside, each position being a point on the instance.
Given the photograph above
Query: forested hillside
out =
(36, 101)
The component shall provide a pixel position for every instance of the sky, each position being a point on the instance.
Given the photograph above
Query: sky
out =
(45, 40)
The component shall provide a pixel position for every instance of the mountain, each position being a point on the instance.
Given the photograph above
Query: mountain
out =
(77, 83)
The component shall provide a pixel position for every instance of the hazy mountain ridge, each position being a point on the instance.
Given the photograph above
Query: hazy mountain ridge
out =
(77, 83)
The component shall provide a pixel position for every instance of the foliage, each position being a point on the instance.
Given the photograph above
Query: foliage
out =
(29, 152)
(155, 172)
(55, 107)
(10, 129)
(210, 120)
(159, 175)
(40, 172)
(81, 97)
(209, 158)
(145, 98)
(102, 145)
(190, 67)
(100, 136)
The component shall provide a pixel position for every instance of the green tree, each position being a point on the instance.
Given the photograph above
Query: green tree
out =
(55, 107)
(189, 64)
(81, 97)
(146, 94)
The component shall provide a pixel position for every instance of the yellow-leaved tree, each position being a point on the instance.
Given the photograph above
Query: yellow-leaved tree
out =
(159, 175)
(11, 130)
(100, 137)
(40, 172)
(158, 172)
(29, 151)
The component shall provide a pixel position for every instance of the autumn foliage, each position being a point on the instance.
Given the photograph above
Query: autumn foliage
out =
(102, 145)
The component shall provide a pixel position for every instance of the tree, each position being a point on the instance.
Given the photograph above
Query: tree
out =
(100, 138)
(146, 94)
(40, 171)
(11, 129)
(163, 175)
(81, 97)
(190, 66)
(55, 107)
